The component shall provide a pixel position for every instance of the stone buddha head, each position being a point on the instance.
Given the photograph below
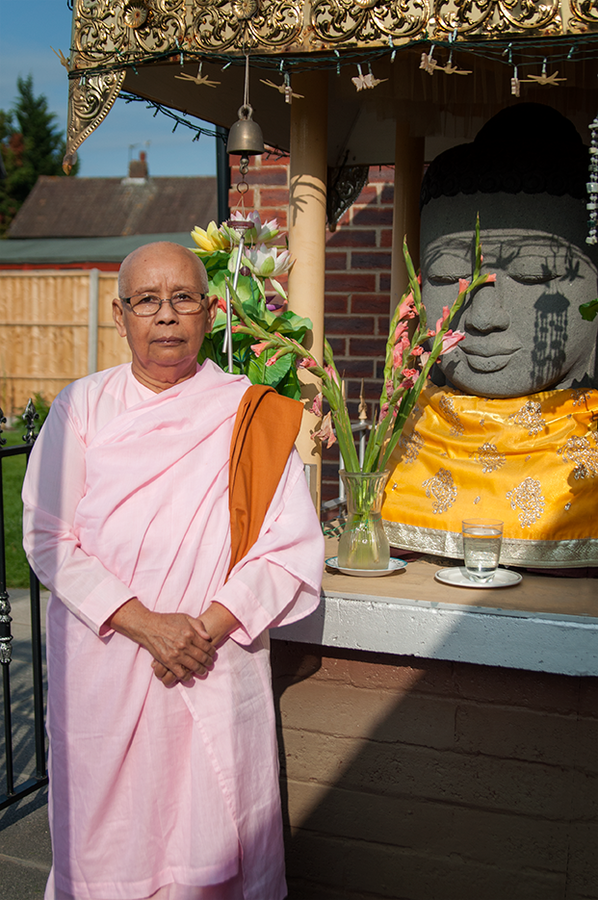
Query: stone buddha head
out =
(525, 174)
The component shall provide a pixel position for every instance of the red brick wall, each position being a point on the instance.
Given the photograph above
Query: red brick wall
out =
(357, 281)
(414, 779)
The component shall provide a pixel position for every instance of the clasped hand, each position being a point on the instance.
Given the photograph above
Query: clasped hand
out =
(180, 645)
(181, 648)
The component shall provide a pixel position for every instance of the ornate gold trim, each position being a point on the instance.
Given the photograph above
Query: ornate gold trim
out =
(568, 554)
(90, 100)
(113, 32)
(367, 21)
(498, 18)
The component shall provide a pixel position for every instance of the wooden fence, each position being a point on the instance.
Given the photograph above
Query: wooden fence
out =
(55, 326)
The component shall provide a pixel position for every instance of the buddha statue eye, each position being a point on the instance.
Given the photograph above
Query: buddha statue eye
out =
(438, 280)
(543, 277)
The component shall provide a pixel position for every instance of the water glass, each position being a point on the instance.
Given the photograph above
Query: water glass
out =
(481, 548)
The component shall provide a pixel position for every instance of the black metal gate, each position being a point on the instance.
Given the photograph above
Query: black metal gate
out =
(40, 778)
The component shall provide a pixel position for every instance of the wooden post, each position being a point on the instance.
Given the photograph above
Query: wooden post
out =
(92, 321)
(409, 166)
(307, 238)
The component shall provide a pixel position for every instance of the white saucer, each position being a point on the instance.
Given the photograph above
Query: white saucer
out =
(395, 565)
(457, 577)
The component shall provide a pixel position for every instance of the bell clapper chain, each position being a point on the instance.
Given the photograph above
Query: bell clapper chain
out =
(245, 139)
(592, 185)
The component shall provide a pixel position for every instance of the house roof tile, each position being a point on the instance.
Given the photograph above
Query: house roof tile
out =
(61, 207)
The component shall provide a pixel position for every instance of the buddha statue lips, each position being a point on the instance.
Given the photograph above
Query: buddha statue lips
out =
(515, 401)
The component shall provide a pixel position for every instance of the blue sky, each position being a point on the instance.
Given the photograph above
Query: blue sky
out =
(28, 30)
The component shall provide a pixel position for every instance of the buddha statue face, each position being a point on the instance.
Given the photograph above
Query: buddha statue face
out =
(524, 333)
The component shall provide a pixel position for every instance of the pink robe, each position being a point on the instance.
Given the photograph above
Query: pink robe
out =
(151, 787)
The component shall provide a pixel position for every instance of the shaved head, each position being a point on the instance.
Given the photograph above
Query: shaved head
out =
(134, 264)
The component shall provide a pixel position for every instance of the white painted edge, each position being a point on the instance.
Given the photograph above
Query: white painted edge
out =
(512, 639)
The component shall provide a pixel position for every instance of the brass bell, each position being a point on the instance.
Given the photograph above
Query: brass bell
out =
(245, 137)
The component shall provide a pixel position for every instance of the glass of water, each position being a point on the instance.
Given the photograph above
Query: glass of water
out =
(481, 548)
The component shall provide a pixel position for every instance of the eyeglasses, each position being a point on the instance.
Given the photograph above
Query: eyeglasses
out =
(184, 302)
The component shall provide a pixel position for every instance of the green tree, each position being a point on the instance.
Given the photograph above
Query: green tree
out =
(31, 145)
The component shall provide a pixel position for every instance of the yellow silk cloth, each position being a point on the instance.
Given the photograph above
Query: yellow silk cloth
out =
(530, 461)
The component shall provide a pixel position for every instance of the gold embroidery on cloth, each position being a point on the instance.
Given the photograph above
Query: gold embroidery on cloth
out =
(580, 396)
(527, 497)
(529, 416)
(442, 488)
(447, 407)
(489, 457)
(579, 450)
(410, 445)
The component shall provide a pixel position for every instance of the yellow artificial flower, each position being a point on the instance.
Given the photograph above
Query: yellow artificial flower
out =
(211, 239)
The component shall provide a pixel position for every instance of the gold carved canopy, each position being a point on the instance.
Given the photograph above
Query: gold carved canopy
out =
(114, 38)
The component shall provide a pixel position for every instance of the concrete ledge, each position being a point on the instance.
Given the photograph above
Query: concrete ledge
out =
(541, 642)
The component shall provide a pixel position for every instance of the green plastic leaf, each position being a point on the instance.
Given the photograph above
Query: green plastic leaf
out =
(259, 373)
(589, 310)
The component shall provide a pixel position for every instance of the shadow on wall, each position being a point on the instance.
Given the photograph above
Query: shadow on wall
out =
(421, 779)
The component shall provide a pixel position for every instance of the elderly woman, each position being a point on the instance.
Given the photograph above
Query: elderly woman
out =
(167, 564)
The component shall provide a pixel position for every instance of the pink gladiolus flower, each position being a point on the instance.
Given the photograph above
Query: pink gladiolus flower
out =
(259, 348)
(409, 376)
(316, 407)
(417, 351)
(450, 340)
(326, 432)
(306, 363)
(463, 285)
(272, 360)
(332, 375)
(491, 279)
(424, 358)
(384, 411)
(399, 351)
(407, 310)
(445, 314)
(235, 328)
(222, 304)
(401, 330)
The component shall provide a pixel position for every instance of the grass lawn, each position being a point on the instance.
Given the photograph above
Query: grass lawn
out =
(13, 471)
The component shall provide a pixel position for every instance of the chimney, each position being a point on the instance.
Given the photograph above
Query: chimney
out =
(138, 168)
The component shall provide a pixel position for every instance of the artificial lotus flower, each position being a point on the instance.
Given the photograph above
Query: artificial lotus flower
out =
(266, 262)
(210, 240)
(258, 234)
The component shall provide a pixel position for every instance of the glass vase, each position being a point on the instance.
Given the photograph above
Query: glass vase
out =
(363, 544)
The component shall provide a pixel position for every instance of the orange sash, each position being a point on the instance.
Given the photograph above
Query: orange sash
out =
(263, 437)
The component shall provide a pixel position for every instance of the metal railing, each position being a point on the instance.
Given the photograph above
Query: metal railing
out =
(40, 778)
